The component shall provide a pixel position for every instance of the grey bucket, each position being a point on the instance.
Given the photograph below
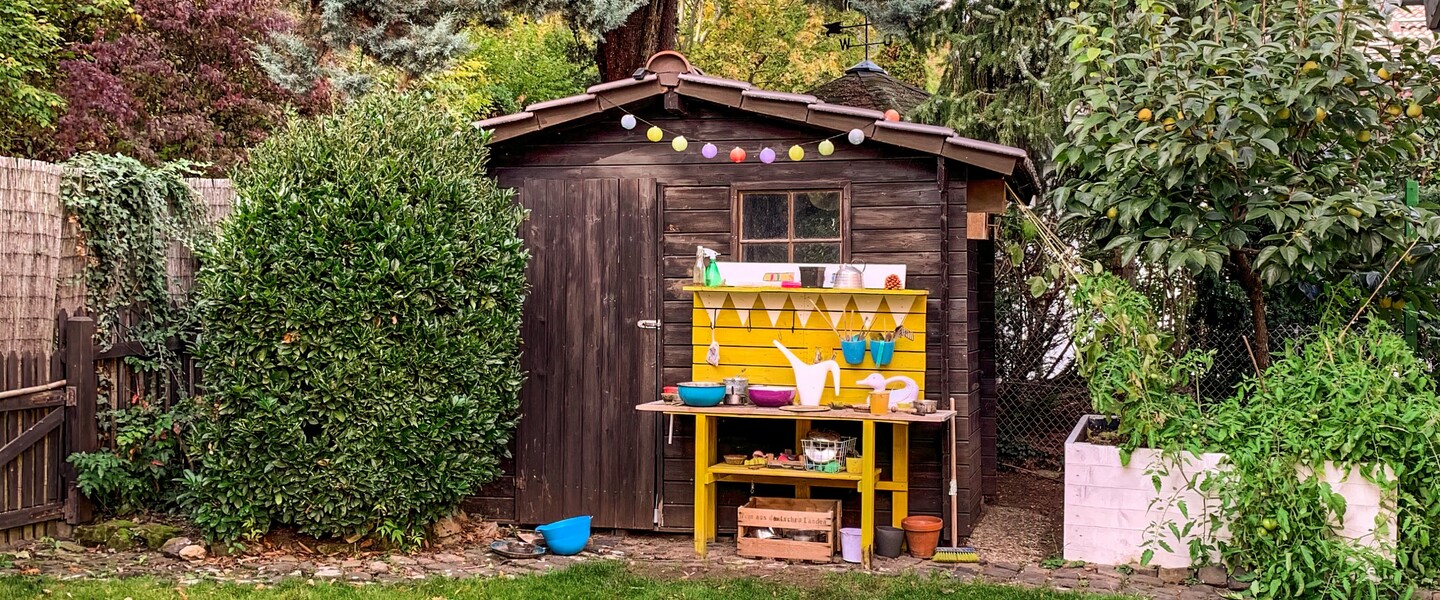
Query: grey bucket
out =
(888, 541)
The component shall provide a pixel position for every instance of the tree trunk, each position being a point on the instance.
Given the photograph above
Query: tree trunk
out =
(1255, 289)
(650, 29)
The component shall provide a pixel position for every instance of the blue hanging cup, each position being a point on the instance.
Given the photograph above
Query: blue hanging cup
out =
(881, 352)
(853, 350)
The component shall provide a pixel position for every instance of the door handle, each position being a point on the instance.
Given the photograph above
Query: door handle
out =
(648, 323)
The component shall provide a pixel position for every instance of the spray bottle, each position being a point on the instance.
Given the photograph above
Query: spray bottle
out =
(706, 272)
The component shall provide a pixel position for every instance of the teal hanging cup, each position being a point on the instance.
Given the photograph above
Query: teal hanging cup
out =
(853, 350)
(882, 351)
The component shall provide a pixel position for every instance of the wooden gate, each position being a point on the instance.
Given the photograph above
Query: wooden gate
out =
(590, 350)
(42, 420)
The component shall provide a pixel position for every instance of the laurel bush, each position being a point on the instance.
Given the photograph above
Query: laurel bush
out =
(361, 315)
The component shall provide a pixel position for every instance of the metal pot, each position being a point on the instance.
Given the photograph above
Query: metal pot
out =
(736, 390)
(849, 277)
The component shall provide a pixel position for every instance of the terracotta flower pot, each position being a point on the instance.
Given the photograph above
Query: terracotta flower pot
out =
(922, 534)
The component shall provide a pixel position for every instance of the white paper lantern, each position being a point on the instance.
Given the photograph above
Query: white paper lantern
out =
(627, 121)
(856, 136)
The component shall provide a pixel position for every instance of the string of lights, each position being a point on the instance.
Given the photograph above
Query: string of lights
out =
(825, 146)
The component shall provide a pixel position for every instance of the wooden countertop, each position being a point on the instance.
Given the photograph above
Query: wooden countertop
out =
(756, 412)
(803, 290)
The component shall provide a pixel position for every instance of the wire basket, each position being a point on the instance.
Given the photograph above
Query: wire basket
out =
(821, 453)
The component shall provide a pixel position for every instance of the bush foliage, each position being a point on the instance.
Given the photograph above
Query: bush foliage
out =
(1351, 393)
(361, 313)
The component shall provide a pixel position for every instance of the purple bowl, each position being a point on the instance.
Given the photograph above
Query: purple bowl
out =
(771, 396)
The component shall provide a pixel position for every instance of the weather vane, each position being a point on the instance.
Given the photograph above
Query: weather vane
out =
(838, 28)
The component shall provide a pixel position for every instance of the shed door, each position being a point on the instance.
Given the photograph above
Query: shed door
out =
(582, 449)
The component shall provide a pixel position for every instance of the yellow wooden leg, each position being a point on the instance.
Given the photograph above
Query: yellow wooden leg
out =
(867, 491)
(704, 485)
(711, 488)
(900, 456)
(802, 429)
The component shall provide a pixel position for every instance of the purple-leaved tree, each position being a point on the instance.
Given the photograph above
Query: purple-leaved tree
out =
(180, 81)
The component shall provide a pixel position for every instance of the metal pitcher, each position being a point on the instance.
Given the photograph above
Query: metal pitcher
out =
(737, 389)
(849, 277)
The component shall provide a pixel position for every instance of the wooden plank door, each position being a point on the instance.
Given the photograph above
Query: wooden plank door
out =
(582, 449)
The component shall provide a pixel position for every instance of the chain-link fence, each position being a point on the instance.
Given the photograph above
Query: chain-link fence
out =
(1035, 414)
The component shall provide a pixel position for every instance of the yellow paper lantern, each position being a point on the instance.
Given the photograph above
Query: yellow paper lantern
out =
(826, 148)
(654, 134)
(797, 153)
(679, 143)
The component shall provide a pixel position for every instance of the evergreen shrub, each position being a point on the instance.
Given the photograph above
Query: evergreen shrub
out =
(361, 317)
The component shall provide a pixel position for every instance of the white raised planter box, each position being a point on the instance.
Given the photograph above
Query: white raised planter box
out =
(1110, 508)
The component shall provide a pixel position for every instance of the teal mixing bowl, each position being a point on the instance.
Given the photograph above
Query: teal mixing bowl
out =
(701, 393)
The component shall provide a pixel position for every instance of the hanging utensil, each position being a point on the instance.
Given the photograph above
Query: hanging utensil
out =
(712, 354)
(713, 302)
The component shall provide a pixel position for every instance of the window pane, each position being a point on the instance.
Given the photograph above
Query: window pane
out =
(817, 215)
(817, 253)
(765, 216)
(766, 253)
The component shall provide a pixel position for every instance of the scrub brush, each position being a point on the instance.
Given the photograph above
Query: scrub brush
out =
(961, 554)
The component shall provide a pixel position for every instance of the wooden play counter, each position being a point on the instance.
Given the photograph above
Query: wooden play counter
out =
(710, 470)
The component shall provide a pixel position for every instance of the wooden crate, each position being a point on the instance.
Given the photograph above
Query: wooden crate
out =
(820, 516)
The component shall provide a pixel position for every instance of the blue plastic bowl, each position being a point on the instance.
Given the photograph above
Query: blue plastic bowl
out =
(702, 394)
(568, 536)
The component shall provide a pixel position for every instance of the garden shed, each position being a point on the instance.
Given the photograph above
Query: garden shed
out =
(615, 218)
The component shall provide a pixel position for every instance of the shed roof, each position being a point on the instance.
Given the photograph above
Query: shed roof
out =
(669, 71)
(866, 85)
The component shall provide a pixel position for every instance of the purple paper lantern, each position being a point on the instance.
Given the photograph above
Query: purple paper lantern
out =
(767, 156)
(709, 151)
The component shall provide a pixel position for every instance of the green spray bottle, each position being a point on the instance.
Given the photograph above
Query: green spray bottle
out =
(712, 269)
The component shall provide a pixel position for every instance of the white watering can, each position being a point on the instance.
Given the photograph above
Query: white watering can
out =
(810, 379)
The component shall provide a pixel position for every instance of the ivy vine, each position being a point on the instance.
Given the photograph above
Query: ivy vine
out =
(128, 215)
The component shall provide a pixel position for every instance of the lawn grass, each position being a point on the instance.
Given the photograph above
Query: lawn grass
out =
(587, 580)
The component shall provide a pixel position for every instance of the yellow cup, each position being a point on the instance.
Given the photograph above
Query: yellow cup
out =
(852, 465)
(879, 403)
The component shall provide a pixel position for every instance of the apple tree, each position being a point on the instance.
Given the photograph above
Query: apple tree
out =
(1263, 140)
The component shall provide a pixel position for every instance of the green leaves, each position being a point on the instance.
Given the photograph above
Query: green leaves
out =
(128, 216)
(361, 342)
(1237, 127)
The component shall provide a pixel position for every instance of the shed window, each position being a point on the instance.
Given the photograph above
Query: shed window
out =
(801, 227)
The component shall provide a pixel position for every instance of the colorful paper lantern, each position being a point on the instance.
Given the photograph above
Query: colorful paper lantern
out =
(709, 151)
(654, 134)
(737, 155)
(856, 136)
(826, 148)
(797, 153)
(767, 156)
(627, 121)
(892, 115)
(679, 143)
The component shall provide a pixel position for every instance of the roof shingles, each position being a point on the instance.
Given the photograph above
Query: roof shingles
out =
(804, 108)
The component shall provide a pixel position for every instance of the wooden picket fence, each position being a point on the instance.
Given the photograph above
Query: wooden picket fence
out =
(47, 412)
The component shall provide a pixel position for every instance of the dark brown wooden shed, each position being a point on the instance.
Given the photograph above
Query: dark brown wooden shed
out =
(614, 223)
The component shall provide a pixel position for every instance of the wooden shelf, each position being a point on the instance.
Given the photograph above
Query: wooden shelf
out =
(773, 289)
(727, 470)
(756, 412)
